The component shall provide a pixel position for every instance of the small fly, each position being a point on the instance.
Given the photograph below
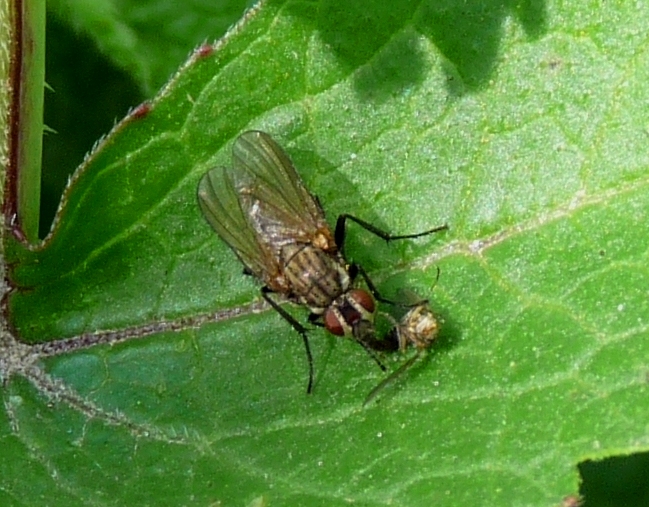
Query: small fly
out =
(418, 328)
(261, 208)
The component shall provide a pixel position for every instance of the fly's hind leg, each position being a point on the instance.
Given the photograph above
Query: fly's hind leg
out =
(265, 293)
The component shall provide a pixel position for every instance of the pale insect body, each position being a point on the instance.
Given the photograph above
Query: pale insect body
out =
(277, 228)
(419, 328)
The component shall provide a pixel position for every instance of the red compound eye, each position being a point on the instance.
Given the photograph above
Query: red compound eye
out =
(332, 323)
(363, 299)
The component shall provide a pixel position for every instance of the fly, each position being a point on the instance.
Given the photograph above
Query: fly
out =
(261, 208)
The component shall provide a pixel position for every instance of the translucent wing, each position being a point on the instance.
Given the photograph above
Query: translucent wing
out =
(221, 206)
(272, 194)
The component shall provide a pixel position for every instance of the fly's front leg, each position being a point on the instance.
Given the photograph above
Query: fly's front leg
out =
(341, 231)
(357, 269)
(316, 320)
(265, 293)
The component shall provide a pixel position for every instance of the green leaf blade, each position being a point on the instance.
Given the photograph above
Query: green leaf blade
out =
(541, 360)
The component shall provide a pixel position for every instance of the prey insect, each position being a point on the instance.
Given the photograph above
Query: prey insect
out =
(261, 208)
(418, 328)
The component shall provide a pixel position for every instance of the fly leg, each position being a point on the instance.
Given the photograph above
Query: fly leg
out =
(340, 232)
(371, 344)
(265, 293)
(357, 269)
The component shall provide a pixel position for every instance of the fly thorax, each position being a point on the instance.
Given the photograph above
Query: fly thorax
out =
(316, 278)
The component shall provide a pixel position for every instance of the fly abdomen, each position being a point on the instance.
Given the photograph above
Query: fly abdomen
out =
(316, 277)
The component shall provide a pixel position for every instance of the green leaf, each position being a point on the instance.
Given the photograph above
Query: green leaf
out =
(522, 129)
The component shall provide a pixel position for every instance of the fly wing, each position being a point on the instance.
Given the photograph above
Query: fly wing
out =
(221, 206)
(272, 193)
